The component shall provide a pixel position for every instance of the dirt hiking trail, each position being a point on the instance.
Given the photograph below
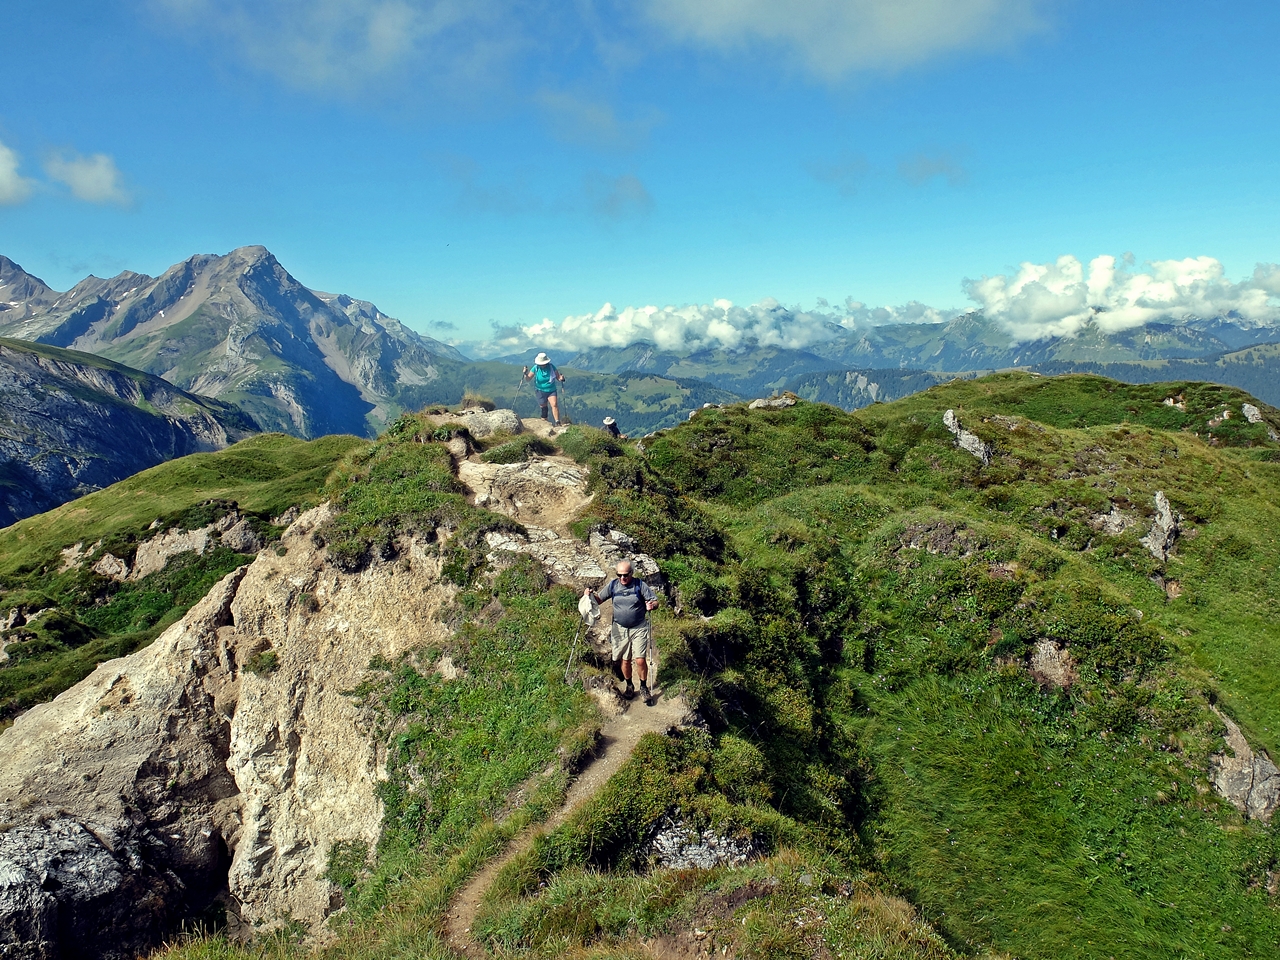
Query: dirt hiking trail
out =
(618, 738)
(546, 494)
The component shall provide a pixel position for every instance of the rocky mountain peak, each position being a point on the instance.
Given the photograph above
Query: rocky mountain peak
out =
(20, 292)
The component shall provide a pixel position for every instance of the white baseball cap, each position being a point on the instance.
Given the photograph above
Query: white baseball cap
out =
(541, 358)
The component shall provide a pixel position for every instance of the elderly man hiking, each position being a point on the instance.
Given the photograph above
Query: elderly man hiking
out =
(631, 635)
(545, 376)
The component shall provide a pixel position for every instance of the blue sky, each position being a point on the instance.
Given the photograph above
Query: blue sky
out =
(467, 161)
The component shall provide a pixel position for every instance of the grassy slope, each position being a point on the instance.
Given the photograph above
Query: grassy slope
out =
(1047, 824)
(98, 619)
(860, 599)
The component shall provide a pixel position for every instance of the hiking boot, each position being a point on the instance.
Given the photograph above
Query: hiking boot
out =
(629, 692)
(646, 694)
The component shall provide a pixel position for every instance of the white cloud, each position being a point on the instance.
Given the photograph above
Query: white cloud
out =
(1059, 299)
(94, 179)
(718, 325)
(14, 187)
(834, 37)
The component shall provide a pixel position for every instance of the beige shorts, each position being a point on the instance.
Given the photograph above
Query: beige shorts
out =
(631, 643)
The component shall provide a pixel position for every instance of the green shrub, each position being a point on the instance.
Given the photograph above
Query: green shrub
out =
(526, 446)
(263, 663)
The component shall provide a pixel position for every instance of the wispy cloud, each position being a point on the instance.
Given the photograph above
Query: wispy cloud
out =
(478, 192)
(14, 187)
(93, 179)
(591, 122)
(846, 173)
(345, 46)
(600, 195)
(1061, 298)
(616, 198)
(831, 38)
(919, 168)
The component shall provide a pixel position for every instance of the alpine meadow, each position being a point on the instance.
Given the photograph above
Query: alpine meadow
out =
(639, 481)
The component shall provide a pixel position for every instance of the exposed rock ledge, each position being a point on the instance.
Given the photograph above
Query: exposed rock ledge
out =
(967, 440)
(131, 798)
(1248, 779)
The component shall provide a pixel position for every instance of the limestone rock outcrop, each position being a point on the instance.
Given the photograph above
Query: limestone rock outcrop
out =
(678, 846)
(966, 440)
(773, 403)
(1244, 776)
(483, 423)
(1165, 529)
(179, 774)
(542, 492)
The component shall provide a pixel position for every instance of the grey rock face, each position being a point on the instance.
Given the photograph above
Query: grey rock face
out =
(1251, 413)
(1052, 665)
(772, 403)
(1165, 529)
(241, 538)
(967, 441)
(1115, 522)
(484, 423)
(1248, 779)
(71, 424)
(678, 846)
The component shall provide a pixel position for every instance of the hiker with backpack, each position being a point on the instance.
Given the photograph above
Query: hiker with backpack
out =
(631, 635)
(545, 376)
(611, 428)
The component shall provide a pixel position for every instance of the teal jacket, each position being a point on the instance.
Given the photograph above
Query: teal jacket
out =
(544, 377)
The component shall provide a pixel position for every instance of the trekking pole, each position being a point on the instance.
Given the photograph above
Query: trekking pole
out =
(564, 399)
(524, 374)
(572, 650)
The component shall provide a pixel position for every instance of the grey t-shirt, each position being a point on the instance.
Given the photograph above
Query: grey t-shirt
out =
(628, 601)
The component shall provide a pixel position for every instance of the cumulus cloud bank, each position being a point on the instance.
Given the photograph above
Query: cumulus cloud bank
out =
(720, 325)
(1039, 300)
(1058, 299)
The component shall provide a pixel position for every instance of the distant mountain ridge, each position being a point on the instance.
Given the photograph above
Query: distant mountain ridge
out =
(968, 343)
(72, 423)
(241, 328)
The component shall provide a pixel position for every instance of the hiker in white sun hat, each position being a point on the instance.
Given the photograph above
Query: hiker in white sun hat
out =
(545, 376)
(611, 428)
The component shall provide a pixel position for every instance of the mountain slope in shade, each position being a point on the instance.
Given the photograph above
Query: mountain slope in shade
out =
(241, 328)
(72, 423)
